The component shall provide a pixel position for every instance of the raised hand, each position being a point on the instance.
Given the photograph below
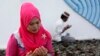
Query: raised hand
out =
(65, 28)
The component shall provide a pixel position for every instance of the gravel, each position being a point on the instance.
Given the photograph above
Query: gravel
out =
(2, 52)
(77, 48)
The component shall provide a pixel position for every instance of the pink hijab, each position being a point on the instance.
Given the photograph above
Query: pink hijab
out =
(30, 40)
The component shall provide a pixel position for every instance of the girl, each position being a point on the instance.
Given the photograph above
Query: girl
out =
(31, 39)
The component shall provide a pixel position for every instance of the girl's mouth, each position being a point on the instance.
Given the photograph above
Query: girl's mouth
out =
(34, 30)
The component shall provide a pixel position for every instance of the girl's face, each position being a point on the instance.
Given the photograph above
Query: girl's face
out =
(34, 25)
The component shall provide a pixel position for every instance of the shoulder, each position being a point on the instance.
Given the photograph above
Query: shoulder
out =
(18, 38)
(12, 38)
(12, 46)
(59, 23)
(12, 41)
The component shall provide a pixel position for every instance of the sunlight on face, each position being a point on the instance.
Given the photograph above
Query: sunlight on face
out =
(34, 25)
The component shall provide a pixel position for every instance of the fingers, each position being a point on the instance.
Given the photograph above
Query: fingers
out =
(29, 53)
(41, 51)
(44, 50)
(68, 26)
(35, 52)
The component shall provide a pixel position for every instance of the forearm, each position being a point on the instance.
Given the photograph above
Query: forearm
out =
(65, 28)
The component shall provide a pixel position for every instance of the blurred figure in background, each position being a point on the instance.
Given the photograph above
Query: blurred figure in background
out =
(61, 29)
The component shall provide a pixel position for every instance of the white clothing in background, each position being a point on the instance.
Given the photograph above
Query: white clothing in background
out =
(59, 26)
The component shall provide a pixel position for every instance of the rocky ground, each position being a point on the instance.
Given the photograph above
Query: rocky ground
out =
(2, 52)
(78, 48)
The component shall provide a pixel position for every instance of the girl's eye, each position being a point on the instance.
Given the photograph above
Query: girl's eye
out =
(31, 23)
(34, 23)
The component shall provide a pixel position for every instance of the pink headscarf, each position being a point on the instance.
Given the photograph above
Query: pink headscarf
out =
(30, 40)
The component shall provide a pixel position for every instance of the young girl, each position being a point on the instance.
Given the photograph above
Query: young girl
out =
(31, 39)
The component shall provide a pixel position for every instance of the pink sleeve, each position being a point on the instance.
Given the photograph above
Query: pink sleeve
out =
(49, 45)
(12, 47)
